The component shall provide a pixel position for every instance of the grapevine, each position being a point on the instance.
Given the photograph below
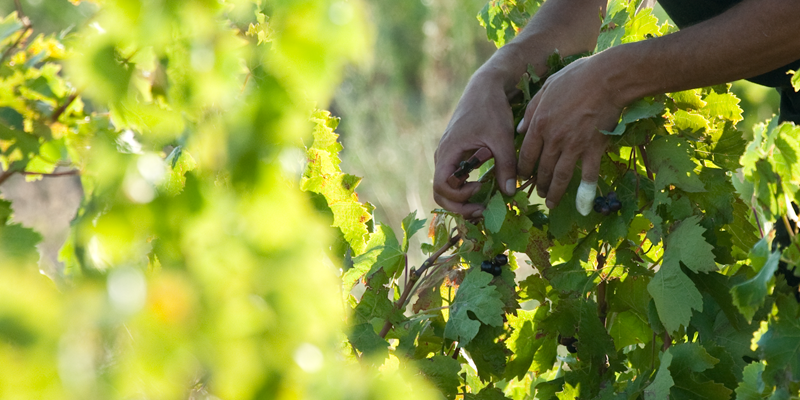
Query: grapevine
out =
(669, 290)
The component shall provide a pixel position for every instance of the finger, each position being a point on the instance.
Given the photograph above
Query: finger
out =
(532, 144)
(547, 164)
(469, 210)
(528, 154)
(525, 122)
(584, 199)
(462, 194)
(587, 191)
(562, 175)
(590, 165)
(446, 164)
(505, 163)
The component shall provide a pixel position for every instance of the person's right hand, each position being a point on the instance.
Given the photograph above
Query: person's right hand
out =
(483, 118)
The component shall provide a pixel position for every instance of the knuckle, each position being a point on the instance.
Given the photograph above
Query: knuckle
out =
(562, 175)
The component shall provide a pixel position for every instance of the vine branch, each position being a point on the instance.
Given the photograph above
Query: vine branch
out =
(6, 175)
(60, 110)
(53, 174)
(646, 162)
(415, 275)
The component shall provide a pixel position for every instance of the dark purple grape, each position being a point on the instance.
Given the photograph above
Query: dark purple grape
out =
(614, 205)
(572, 349)
(610, 196)
(501, 259)
(487, 266)
(569, 342)
(496, 270)
(605, 209)
(599, 200)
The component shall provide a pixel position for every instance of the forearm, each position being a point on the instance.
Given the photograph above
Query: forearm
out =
(571, 26)
(752, 38)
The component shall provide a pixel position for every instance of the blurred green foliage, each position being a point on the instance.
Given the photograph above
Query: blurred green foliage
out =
(195, 266)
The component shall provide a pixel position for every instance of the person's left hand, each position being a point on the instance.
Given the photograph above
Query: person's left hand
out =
(562, 125)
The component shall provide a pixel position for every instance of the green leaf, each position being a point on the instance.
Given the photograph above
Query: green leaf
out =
(5, 211)
(675, 296)
(442, 372)
(375, 303)
(686, 244)
(795, 80)
(752, 386)
(180, 162)
(725, 106)
(780, 345)
(364, 339)
(749, 296)
(690, 357)
(690, 121)
(9, 26)
(515, 232)
(410, 226)
(670, 158)
(630, 329)
(717, 201)
(18, 246)
(495, 213)
(522, 343)
(487, 393)
(688, 99)
(660, 388)
(729, 148)
(383, 252)
(488, 353)
(639, 110)
(477, 297)
(323, 175)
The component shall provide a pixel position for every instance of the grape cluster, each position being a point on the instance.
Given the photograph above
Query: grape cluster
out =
(608, 204)
(494, 266)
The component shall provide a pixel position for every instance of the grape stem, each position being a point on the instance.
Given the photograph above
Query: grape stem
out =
(646, 162)
(26, 25)
(760, 229)
(53, 174)
(790, 230)
(601, 299)
(415, 275)
(57, 113)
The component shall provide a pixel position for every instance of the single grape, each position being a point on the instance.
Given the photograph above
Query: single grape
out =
(572, 349)
(605, 209)
(496, 270)
(501, 259)
(599, 202)
(569, 343)
(487, 266)
(614, 205)
(611, 196)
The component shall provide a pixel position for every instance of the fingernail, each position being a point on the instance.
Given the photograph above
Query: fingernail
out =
(550, 204)
(511, 186)
(519, 127)
(478, 213)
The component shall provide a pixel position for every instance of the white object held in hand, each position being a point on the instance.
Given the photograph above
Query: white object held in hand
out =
(585, 197)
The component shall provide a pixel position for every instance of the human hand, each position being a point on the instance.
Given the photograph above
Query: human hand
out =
(562, 125)
(483, 118)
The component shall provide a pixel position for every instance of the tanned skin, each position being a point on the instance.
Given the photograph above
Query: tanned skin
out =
(563, 121)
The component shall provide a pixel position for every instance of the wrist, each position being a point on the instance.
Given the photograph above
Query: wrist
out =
(622, 75)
